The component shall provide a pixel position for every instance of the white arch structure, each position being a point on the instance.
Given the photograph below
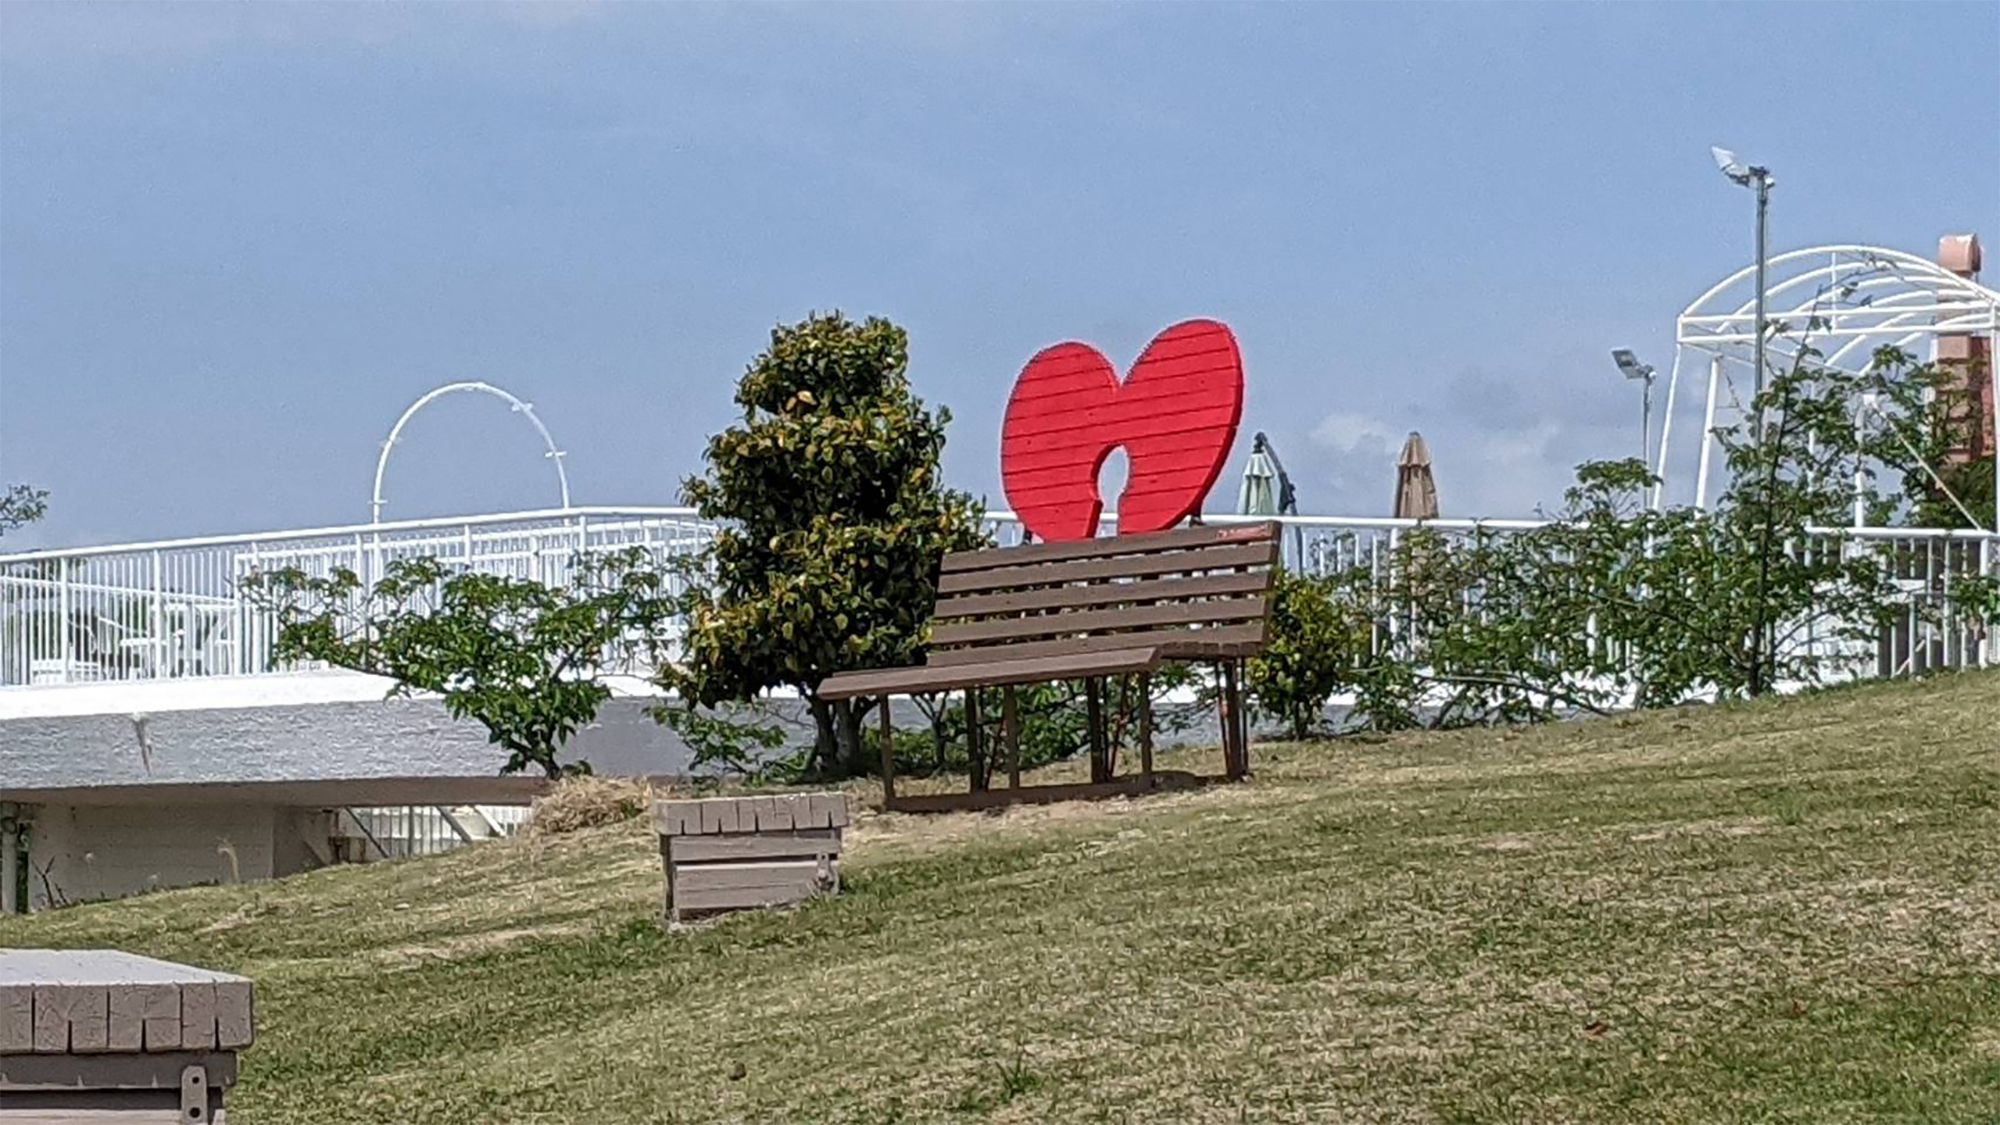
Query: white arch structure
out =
(1864, 297)
(513, 403)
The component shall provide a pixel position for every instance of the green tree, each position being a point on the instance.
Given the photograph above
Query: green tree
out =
(20, 505)
(834, 521)
(524, 659)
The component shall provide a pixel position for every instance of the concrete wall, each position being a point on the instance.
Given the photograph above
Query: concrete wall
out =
(323, 740)
(78, 853)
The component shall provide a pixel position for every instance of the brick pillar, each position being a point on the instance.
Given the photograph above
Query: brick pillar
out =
(1971, 355)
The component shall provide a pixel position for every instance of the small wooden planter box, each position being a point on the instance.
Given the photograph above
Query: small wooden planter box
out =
(98, 1035)
(733, 853)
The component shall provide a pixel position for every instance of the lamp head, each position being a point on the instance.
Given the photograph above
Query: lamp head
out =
(1739, 172)
(1629, 365)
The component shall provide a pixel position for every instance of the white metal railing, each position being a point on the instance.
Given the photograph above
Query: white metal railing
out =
(397, 831)
(1929, 636)
(172, 609)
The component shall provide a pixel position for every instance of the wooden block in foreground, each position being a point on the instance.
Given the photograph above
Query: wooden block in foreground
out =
(734, 853)
(133, 1037)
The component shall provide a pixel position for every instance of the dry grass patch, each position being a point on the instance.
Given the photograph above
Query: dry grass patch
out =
(588, 802)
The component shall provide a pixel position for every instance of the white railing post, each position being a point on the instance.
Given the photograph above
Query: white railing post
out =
(154, 646)
(63, 623)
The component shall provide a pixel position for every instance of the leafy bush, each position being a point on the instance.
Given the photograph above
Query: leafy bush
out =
(524, 659)
(1319, 644)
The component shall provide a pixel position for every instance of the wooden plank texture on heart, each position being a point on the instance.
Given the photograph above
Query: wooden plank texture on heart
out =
(1175, 414)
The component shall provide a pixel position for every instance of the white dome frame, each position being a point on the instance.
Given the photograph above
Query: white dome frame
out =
(514, 404)
(1865, 297)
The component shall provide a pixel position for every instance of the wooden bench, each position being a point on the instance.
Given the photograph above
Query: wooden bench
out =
(99, 1035)
(1083, 610)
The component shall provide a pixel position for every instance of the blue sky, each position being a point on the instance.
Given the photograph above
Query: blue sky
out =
(236, 240)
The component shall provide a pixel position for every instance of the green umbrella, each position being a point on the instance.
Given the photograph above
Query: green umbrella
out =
(1258, 495)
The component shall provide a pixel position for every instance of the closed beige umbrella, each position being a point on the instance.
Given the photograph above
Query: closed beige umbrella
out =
(1416, 489)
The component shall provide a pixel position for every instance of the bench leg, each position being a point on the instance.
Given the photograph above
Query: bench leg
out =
(975, 747)
(1094, 715)
(1242, 720)
(1235, 728)
(1146, 728)
(1226, 673)
(888, 758)
(1010, 729)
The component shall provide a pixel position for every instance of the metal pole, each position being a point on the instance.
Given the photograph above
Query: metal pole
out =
(1860, 473)
(1646, 421)
(1707, 434)
(1993, 376)
(1763, 206)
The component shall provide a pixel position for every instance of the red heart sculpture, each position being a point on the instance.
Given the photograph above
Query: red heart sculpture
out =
(1175, 415)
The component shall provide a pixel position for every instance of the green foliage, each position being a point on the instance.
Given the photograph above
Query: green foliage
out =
(743, 747)
(834, 522)
(523, 659)
(1320, 639)
(1612, 604)
(20, 505)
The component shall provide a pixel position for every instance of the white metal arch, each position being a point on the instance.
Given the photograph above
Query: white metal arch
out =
(515, 404)
(1861, 298)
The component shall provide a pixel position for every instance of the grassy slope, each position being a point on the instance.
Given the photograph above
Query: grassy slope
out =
(1781, 912)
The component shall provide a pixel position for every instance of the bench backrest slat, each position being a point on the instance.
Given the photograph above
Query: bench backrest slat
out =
(1198, 590)
(1107, 547)
(1198, 641)
(1228, 556)
(1096, 595)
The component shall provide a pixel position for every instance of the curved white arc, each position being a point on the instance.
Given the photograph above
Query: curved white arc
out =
(517, 405)
(1863, 257)
(1941, 298)
(1866, 255)
(1906, 324)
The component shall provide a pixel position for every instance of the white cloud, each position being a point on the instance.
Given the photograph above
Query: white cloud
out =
(1350, 433)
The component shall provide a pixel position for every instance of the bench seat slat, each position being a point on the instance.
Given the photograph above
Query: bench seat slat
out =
(927, 678)
(1170, 642)
(1042, 626)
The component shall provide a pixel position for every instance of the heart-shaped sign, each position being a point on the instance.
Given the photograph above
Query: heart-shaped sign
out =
(1175, 416)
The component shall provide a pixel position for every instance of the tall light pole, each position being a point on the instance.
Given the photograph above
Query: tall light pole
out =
(1758, 176)
(1631, 368)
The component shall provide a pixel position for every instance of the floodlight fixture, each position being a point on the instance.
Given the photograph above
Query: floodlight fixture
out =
(1642, 373)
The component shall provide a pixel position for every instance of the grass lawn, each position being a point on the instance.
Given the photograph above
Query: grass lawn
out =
(1787, 911)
